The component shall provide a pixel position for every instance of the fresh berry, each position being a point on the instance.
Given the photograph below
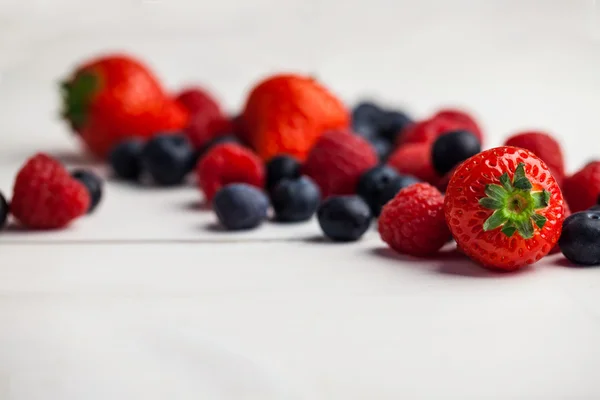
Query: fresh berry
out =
(115, 97)
(504, 208)
(219, 140)
(337, 161)
(125, 159)
(372, 183)
(45, 196)
(203, 128)
(395, 186)
(286, 114)
(4, 211)
(579, 239)
(367, 113)
(382, 147)
(413, 222)
(197, 100)
(545, 147)
(581, 190)
(415, 160)
(428, 130)
(229, 163)
(567, 212)
(393, 123)
(344, 218)
(451, 149)
(282, 167)
(93, 184)
(295, 200)
(466, 121)
(167, 159)
(442, 184)
(366, 130)
(240, 206)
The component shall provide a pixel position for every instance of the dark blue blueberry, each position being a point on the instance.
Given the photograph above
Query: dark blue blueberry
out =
(451, 149)
(240, 206)
(392, 123)
(344, 218)
(382, 147)
(4, 211)
(373, 183)
(367, 118)
(282, 167)
(125, 159)
(295, 200)
(396, 185)
(579, 238)
(168, 159)
(92, 183)
(365, 129)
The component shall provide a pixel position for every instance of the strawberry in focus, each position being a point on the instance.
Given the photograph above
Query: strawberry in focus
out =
(413, 221)
(46, 196)
(504, 208)
(116, 97)
(286, 114)
(545, 147)
(582, 189)
(337, 161)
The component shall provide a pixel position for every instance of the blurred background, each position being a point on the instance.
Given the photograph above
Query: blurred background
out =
(515, 64)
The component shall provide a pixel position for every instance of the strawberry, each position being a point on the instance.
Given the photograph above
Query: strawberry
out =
(504, 208)
(582, 189)
(116, 97)
(545, 147)
(288, 113)
(414, 159)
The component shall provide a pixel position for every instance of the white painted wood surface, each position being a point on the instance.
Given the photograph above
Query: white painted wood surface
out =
(145, 301)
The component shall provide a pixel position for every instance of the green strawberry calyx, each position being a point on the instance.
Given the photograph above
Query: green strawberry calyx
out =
(515, 205)
(77, 95)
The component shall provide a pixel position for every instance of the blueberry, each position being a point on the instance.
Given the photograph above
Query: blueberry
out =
(168, 159)
(295, 200)
(344, 218)
(382, 147)
(372, 184)
(366, 129)
(367, 118)
(92, 183)
(282, 167)
(392, 123)
(4, 211)
(451, 149)
(396, 185)
(579, 238)
(240, 206)
(125, 159)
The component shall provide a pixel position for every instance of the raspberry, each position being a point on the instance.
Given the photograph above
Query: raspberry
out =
(581, 189)
(229, 163)
(545, 147)
(45, 196)
(198, 100)
(427, 131)
(337, 161)
(413, 222)
(414, 159)
(467, 122)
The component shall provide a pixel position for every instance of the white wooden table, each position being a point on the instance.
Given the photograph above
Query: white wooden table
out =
(145, 301)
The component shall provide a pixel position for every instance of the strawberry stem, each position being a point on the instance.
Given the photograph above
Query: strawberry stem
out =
(514, 205)
(77, 96)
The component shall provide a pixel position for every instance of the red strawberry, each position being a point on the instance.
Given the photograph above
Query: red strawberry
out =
(545, 147)
(116, 97)
(582, 189)
(427, 131)
(414, 159)
(504, 208)
(288, 113)
(45, 196)
(337, 161)
(413, 221)
(229, 163)
(567, 212)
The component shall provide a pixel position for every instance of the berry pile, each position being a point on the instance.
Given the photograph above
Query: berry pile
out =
(295, 151)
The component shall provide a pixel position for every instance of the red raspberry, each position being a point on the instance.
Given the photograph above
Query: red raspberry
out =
(414, 159)
(428, 130)
(198, 100)
(545, 147)
(413, 222)
(442, 183)
(45, 196)
(582, 189)
(337, 161)
(229, 163)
